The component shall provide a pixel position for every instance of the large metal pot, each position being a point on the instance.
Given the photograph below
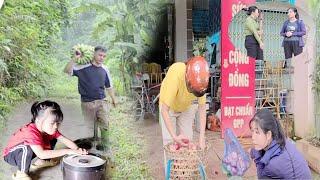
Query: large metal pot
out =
(83, 167)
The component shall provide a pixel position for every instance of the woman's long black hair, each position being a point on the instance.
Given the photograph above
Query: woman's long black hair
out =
(295, 11)
(267, 122)
(251, 9)
(38, 108)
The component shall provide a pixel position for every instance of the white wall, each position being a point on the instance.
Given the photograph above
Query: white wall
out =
(180, 30)
(303, 69)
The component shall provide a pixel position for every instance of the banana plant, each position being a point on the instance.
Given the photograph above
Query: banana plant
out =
(127, 25)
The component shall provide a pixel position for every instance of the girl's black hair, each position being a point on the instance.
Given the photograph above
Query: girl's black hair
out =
(252, 9)
(267, 122)
(295, 11)
(38, 108)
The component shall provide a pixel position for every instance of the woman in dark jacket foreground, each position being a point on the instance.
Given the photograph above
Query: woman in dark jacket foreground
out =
(274, 156)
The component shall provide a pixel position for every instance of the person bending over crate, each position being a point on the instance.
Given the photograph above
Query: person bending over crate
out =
(182, 93)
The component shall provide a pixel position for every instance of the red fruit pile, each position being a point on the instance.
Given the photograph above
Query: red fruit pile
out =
(190, 146)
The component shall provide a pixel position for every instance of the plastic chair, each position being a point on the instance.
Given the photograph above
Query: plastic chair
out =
(145, 68)
(155, 72)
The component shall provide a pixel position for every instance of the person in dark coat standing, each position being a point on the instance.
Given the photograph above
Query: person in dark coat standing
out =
(292, 31)
(275, 156)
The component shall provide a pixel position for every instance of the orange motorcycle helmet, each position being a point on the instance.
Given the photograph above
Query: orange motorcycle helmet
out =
(197, 75)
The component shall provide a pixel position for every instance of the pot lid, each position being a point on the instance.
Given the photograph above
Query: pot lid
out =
(83, 160)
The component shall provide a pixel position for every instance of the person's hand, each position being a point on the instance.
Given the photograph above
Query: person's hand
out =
(79, 151)
(288, 34)
(261, 46)
(202, 143)
(182, 140)
(77, 55)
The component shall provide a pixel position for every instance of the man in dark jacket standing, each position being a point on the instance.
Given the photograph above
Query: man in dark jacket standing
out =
(93, 80)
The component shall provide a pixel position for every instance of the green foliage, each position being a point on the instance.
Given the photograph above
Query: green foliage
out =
(28, 30)
(3, 71)
(127, 27)
(316, 77)
(316, 87)
(199, 47)
(314, 5)
(7, 98)
(126, 148)
(65, 87)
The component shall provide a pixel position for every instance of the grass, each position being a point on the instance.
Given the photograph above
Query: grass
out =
(126, 145)
(63, 86)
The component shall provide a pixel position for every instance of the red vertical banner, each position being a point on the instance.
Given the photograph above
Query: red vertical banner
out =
(237, 76)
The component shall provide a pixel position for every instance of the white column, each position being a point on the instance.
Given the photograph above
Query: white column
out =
(303, 69)
(180, 47)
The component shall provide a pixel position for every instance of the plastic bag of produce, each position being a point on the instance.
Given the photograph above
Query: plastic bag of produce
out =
(235, 160)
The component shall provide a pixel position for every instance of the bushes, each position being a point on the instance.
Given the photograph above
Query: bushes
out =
(28, 30)
(7, 97)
